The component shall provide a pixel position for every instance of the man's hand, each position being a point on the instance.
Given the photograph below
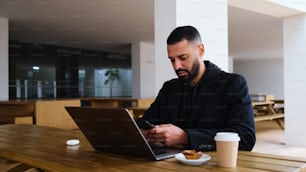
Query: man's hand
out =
(167, 134)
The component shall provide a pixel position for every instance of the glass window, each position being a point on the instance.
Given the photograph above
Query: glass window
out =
(47, 71)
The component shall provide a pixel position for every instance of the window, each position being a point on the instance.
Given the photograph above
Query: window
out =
(47, 71)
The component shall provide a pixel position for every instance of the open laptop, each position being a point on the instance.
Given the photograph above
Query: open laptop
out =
(114, 130)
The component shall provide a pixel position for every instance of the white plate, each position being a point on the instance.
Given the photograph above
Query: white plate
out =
(180, 157)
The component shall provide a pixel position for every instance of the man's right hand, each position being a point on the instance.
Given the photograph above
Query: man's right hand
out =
(168, 134)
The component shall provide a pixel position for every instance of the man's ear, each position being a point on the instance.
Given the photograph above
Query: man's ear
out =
(201, 50)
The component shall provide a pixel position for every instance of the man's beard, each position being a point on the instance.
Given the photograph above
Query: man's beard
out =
(191, 75)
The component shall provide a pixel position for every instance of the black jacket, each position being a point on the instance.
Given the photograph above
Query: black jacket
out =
(219, 102)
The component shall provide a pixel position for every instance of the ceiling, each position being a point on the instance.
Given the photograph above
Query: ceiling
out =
(113, 24)
(93, 24)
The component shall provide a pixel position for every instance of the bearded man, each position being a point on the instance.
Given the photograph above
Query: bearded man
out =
(203, 100)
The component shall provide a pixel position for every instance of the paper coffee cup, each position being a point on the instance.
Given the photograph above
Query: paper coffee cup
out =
(227, 148)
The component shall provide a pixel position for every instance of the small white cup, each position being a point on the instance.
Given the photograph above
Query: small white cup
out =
(227, 148)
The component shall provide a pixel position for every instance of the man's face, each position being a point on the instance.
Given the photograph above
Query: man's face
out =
(185, 58)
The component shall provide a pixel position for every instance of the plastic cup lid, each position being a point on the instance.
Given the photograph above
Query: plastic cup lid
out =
(72, 142)
(227, 136)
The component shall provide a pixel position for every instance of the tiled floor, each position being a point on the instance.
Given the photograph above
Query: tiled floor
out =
(271, 139)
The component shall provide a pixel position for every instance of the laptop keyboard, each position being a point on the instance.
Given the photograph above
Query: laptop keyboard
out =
(159, 149)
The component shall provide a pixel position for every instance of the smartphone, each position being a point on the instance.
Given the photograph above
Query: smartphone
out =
(144, 124)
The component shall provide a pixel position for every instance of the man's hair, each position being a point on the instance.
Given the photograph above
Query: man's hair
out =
(190, 33)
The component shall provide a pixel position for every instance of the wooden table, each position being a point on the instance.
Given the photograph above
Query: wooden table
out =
(136, 106)
(44, 148)
(123, 102)
(268, 113)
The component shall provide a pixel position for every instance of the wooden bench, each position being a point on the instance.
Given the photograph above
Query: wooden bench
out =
(17, 112)
(15, 166)
(52, 113)
(278, 118)
(49, 113)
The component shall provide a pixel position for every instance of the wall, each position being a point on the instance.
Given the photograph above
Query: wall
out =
(256, 47)
(263, 76)
(209, 17)
(295, 80)
(254, 36)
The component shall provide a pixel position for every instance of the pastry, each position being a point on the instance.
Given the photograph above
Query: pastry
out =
(192, 154)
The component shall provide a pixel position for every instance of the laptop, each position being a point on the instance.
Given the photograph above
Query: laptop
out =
(114, 130)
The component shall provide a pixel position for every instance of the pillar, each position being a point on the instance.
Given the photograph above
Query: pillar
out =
(143, 70)
(294, 33)
(4, 71)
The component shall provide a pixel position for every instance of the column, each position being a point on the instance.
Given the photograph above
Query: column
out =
(4, 74)
(143, 70)
(294, 33)
(209, 17)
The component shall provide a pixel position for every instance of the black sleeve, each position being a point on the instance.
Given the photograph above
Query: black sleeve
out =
(241, 116)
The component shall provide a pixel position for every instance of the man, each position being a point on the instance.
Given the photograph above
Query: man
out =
(202, 101)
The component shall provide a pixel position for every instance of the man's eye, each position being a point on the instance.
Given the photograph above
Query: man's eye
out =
(183, 57)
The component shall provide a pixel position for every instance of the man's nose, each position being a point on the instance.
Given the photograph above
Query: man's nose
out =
(177, 64)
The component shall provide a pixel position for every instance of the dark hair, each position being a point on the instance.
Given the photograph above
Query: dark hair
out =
(189, 33)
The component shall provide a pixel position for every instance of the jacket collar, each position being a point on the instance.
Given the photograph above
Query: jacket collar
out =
(212, 71)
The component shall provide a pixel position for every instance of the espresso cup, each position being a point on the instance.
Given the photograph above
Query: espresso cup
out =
(227, 148)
